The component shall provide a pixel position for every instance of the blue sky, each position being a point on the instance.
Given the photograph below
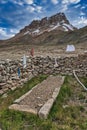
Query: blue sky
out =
(15, 14)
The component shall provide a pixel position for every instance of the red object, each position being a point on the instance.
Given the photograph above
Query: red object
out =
(32, 52)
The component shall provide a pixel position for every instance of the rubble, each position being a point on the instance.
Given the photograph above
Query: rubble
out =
(9, 78)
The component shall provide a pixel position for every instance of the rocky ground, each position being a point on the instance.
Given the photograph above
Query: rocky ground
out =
(79, 96)
(43, 62)
(16, 52)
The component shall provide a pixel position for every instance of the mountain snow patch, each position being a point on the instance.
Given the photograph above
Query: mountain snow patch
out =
(65, 29)
(68, 26)
(54, 27)
(36, 31)
(26, 32)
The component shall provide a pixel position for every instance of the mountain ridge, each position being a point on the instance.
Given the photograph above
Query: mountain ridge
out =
(36, 28)
(50, 31)
(57, 21)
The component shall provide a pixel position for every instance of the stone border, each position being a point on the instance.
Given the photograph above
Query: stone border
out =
(22, 97)
(45, 109)
(24, 108)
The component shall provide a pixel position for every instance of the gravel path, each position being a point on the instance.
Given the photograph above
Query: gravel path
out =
(39, 97)
(40, 94)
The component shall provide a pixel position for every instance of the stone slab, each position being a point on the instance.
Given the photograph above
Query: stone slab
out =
(44, 111)
(24, 108)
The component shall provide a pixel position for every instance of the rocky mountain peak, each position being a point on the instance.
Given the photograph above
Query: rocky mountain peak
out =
(57, 21)
(59, 17)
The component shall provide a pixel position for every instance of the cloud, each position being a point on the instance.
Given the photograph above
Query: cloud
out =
(37, 18)
(82, 14)
(70, 1)
(80, 22)
(31, 9)
(83, 7)
(4, 34)
(39, 9)
(34, 8)
(54, 1)
(64, 8)
(77, 6)
(66, 3)
(29, 1)
(17, 2)
(13, 31)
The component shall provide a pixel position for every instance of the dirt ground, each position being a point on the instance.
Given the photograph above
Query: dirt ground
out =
(17, 52)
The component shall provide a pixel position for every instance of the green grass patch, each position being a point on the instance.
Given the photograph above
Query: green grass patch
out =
(64, 94)
(12, 95)
(60, 118)
(81, 96)
(84, 81)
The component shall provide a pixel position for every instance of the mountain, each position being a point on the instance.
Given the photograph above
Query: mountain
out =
(55, 22)
(49, 31)
(36, 28)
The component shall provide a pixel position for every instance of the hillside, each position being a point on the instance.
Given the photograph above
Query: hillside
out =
(51, 42)
(41, 31)
(54, 37)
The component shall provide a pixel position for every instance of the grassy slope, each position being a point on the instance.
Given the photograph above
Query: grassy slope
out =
(63, 116)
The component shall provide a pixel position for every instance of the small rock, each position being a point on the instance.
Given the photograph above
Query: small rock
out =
(4, 95)
(40, 105)
(1, 92)
(9, 82)
(13, 88)
(65, 106)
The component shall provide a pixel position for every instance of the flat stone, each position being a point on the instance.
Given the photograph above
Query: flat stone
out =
(9, 82)
(55, 93)
(13, 88)
(24, 80)
(40, 105)
(44, 111)
(22, 97)
(5, 89)
(24, 108)
(2, 84)
(15, 78)
(4, 95)
(1, 92)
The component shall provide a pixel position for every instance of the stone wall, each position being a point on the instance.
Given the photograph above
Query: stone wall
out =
(39, 65)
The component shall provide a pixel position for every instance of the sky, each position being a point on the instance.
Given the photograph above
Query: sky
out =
(16, 14)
